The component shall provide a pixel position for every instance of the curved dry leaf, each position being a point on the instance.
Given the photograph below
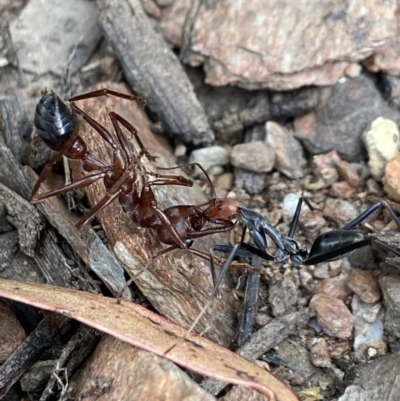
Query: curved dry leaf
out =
(138, 326)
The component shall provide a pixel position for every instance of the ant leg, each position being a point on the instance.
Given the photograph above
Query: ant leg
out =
(105, 92)
(162, 179)
(105, 134)
(226, 226)
(99, 206)
(49, 165)
(295, 221)
(116, 118)
(368, 212)
(82, 183)
(146, 266)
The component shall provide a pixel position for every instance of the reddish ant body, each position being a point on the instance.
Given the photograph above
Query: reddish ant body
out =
(57, 124)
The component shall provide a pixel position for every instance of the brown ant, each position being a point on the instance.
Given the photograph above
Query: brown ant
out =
(177, 226)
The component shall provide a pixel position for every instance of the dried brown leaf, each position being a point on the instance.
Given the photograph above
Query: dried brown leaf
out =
(138, 326)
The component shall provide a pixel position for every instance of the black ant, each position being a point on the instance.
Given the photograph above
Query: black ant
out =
(328, 246)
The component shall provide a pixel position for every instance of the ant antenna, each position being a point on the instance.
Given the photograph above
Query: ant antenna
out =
(200, 167)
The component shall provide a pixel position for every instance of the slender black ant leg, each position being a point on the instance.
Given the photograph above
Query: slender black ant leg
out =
(366, 213)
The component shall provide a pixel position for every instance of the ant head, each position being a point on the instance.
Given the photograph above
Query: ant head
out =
(222, 207)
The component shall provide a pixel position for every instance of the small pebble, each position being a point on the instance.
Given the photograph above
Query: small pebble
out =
(382, 142)
(180, 151)
(337, 349)
(325, 167)
(289, 158)
(341, 190)
(365, 284)
(349, 172)
(367, 334)
(340, 211)
(256, 156)
(333, 315)
(209, 157)
(290, 202)
(225, 181)
(353, 70)
(320, 353)
(321, 270)
(391, 178)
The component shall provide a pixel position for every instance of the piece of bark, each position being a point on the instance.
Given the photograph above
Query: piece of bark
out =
(10, 172)
(73, 355)
(118, 371)
(16, 125)
(177, 284)
(23, 216)
(263, 340)
(153, 71)
(32, 347)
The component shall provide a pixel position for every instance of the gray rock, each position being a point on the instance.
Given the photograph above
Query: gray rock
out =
(377, 380)
(343, 114)
(253, 183)
(46, 35)
(390, 287)
(289, 158)
(209, 157)
(282, 296)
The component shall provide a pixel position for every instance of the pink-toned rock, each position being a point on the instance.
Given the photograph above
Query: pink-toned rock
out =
(173, 19)
(324, 168)
(337, 349)
(335, 287)
(333, 315)
(341, 190)
(349, 172)
(340, 211)
(256, 156)
(311, 221)
(266, 54)
(387, 57)
(391, 178)
(365, 284)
